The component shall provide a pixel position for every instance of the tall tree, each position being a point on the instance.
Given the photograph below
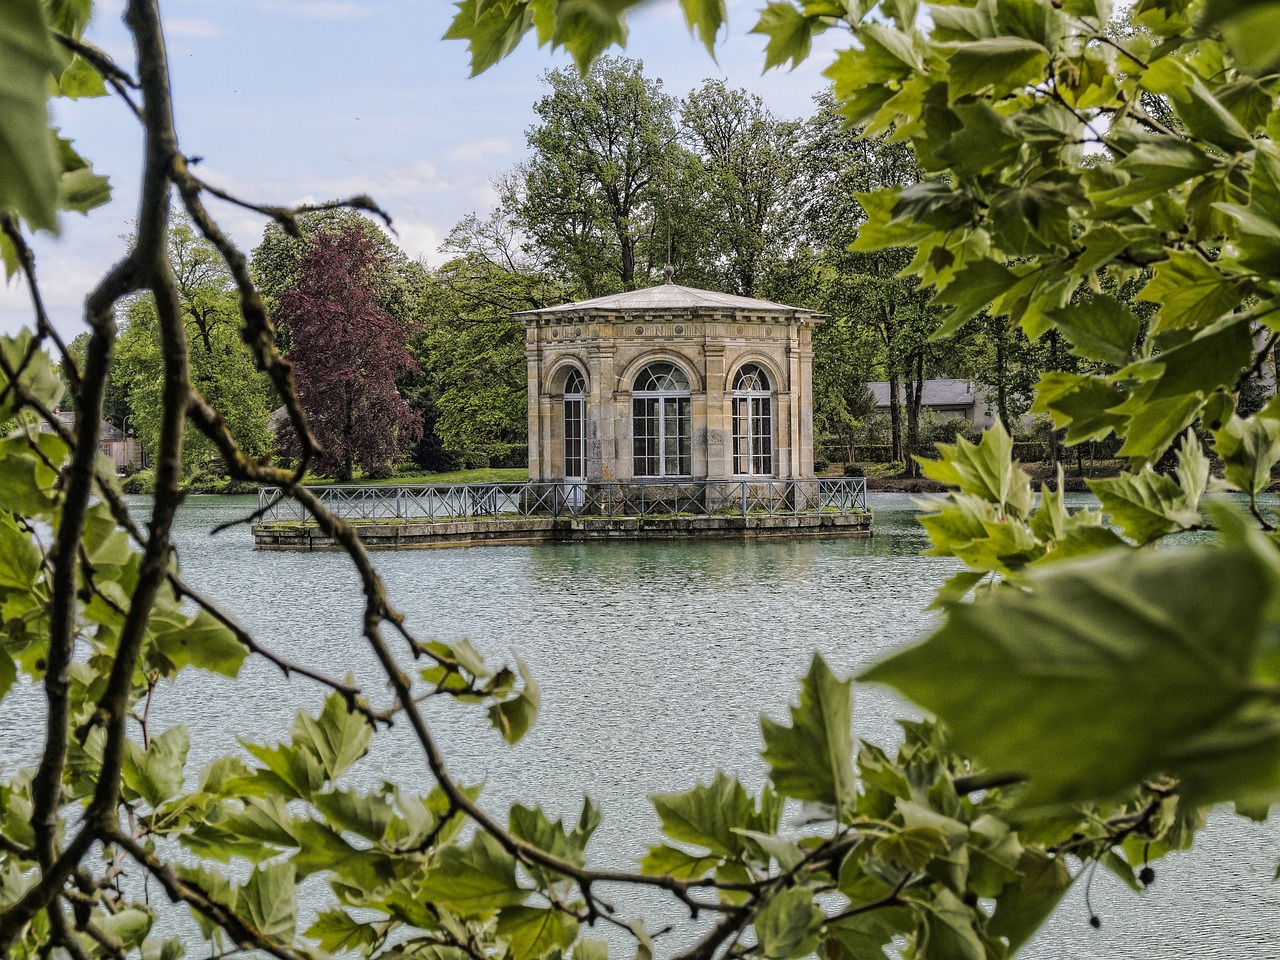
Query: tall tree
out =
(347, 353)
(223, 368)
(749, 159)
(277, 262)
(470, 348)
(600, 151)
(836, 165)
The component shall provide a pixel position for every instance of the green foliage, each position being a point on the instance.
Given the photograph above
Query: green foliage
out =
(222, 367)
(1095, 696)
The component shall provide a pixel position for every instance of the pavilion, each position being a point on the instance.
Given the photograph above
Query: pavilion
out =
(670, 383)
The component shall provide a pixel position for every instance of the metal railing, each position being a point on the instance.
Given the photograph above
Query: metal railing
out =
(638, 498)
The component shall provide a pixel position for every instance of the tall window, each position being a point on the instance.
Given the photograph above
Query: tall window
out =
(661, 422)
(575, 409)
(752, 422)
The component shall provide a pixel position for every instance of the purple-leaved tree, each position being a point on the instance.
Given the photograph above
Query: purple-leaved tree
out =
(347, 353)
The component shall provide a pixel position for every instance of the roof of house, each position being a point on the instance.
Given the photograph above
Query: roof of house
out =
(672, 296)
(107, 431)
(937, 393)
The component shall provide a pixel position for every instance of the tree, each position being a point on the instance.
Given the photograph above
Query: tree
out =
(347, 352)
(222, 366)
(277, 260)
(748, 156)
(471, 348)
(837, 164)
(603, 145)
(1094, 709)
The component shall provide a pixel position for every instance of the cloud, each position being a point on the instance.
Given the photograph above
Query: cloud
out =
(419, 241)
(330, 10)
(483, 152)
(192, 27)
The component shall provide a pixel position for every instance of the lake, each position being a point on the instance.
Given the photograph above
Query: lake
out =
(656, 661)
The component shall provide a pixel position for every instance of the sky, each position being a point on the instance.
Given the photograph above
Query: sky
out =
(291, 101)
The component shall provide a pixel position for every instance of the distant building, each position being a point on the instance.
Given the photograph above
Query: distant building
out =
(124, 451)
(670, 382)
(945, 399)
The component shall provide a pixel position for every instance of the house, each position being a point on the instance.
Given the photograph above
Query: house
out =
(125, 451)
(945, 399)
(670, 382)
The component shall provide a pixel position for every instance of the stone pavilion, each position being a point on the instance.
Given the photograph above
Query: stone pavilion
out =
(670, 383)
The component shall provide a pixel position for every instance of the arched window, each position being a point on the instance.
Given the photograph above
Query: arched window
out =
(575, 421)
(752, 422)
(661, 422)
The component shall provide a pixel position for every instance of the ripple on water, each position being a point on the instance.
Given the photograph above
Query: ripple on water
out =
(655, 660)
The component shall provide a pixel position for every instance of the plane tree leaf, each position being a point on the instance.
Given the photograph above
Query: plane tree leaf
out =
(28, 159)
(1093, 679)
(812, 759)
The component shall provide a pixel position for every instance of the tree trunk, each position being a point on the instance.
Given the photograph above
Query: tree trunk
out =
(915, 400)
(1002, 394)
(895, 420)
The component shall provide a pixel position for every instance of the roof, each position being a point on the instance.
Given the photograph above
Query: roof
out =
(937, 393)
(108, 432)
(671, 296)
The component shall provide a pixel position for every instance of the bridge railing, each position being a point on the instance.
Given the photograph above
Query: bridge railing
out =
(637, 498)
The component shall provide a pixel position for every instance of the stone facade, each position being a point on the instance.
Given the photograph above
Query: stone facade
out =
(707, 337)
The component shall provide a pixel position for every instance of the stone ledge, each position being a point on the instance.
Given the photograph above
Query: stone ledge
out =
(411, 535)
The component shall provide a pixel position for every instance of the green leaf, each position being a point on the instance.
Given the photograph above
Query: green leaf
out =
(787, 925)
(985, 470)
(972, 290)
(80, 79)
(79, 188)
(1249, 449)
(1023, 907)
(813, 758)
(267, 900)
(19, 558)
(533, 932)
(201, 642)
(666, 860)
(789, 31)
(513, 718)
(1100, 328)
(949, 928)
(156, 773)
(1003, 63)
(1085, 405)
(1190, 293)
(36, 375)
(1251, 30)
(28, 163)
(130, 926)
(8, 673)
(474, 881)
(911, 848)
(365, 814)
(1103, 673)
(336, 930)
(1147, 505)
(490, 35)
(708, 815)
(706, 17)
(865, 935)
(339, 737)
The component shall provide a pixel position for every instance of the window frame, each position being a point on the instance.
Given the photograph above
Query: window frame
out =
(752, 421)
(574, 425)
(661, 422)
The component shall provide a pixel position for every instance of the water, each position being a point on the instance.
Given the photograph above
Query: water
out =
(656, 661)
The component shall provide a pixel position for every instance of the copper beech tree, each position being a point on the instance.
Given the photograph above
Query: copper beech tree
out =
(347, 353)
(1096, 695)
